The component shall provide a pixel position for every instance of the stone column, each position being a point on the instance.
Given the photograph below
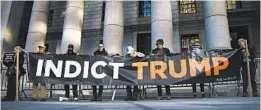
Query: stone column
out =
(161, 23)
(6, 36)
(113, 27)
(72, 27)
(176, 37)
(38, 26)
(216, 25)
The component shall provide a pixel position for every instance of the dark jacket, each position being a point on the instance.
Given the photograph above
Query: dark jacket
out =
(252, 52)
(12, 68)
(165, 50)
(73, 53)
(103, 52)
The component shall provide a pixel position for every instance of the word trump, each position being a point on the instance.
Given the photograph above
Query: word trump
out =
(57, 69)
(219, 63)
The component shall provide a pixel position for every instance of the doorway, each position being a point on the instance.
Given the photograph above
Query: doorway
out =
(236, 33)
(144, 43)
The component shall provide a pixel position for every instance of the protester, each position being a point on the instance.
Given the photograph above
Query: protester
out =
(35, 84)
(67, 87)
(251, 55)
(195, 90)
(11, 74)
(196, 50)
(102, 52)
(132, 56)
(161, 51)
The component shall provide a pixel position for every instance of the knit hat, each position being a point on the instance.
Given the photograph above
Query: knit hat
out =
(160, 41)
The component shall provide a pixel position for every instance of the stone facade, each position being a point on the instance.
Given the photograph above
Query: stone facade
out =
(183, 24)
(93, 23)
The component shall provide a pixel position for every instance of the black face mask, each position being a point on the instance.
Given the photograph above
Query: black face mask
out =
(70, 51)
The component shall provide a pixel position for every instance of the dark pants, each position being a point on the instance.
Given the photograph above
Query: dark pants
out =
(252, 75)
(67, 91)
(134, 94)
(94, 90)
(11, 88)
(195, 89)
(167, 87)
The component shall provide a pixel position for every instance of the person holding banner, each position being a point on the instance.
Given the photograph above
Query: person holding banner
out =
(250, 54)
(132, 56)
(67, 87)
(102, 52)
(11, 74)
(35, 84)
(161, 51)
(196, 50)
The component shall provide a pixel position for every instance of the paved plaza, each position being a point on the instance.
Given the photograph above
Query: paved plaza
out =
(228, 103)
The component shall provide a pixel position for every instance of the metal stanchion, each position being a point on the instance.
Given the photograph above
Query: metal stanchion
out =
(248, 71)
(113, 94)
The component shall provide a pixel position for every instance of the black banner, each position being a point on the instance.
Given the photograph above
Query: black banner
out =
(184, 68)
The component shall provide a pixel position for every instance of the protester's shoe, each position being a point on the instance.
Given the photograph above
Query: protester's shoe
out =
(43, 100)
(63, 99)
(75, 99)
(134, 99)
(194, 95)
(7, 99)
(34, 99)
(255, 94)
(4, 100)
(203, 95)
(159, 98)
(93, 99)
(245, 94)
(99, 99)
(127, 99)
(168, 98)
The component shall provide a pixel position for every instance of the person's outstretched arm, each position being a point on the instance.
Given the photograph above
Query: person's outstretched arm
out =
(23, 50)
